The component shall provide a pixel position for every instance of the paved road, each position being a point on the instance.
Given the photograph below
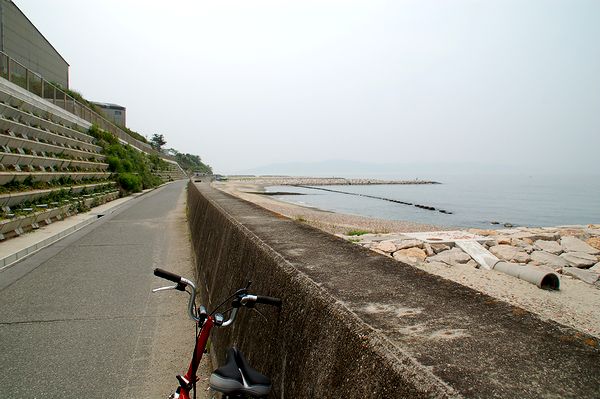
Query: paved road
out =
(79, 316)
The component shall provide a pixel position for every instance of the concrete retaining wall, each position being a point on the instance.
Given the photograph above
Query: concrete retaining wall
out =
(358, 325)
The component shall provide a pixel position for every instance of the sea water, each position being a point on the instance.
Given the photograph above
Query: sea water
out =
(475, 201)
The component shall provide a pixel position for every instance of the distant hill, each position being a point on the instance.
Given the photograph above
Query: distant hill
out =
(344, 168)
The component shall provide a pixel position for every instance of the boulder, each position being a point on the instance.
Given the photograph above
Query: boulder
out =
(522, 244)
(548, 259)
(583, 275)
(579, 259)
(510, 253)
(552, 247)
(536, 235)
(593, 231)
(490, 243)
(595, 268)
(413, 254)
(594, 242)
(451, 257)
(482, 232)
(574, 232)
(381, 252)
(521, 257)
(437, 248)
(385, 246)
(406, 260)
(428, 250)
(408, 244)
(574, 244)
(517, 242)
(503, 240)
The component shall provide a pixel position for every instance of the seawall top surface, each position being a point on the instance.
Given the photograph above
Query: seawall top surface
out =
(472, 343)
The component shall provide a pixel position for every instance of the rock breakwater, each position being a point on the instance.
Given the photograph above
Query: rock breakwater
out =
(572, 251)
(425, 207)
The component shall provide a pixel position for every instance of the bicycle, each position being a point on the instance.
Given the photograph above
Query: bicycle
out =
(235, 379)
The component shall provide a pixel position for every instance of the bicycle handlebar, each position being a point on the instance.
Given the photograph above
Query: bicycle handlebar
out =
(250, 300)
(244, 299)
(181, 282)
(167, 275)
(269, 300)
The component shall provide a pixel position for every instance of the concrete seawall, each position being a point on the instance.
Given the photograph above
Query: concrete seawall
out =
(355, 324)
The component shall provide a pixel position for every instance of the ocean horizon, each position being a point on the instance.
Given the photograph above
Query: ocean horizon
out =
(482, 201)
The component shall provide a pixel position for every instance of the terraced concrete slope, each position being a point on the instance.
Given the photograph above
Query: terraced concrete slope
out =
(43, 144)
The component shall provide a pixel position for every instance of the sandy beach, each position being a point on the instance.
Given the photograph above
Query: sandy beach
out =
(334, 223)
(575, 305)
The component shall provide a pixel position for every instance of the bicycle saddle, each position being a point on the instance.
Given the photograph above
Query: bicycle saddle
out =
(236, 377)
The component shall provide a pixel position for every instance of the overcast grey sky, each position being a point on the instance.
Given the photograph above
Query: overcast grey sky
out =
(251, 82)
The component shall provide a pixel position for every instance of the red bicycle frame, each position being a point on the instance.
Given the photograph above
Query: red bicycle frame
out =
(191, 377)
(206, 323)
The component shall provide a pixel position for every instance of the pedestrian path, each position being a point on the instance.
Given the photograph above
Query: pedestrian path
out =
(80, 316)
(18, 248)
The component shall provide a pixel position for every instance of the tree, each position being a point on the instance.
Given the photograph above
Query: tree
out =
(189, 162)
(157, 141)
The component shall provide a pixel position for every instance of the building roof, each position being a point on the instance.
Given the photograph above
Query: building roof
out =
(109, 106)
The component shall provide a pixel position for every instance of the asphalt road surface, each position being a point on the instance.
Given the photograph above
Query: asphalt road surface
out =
(78, 319)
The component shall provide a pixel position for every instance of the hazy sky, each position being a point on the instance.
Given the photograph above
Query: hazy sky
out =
(249, 83)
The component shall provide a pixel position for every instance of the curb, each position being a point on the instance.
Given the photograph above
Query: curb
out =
(13, 258)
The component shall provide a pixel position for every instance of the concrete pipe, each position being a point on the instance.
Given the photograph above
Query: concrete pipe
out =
(534, 275)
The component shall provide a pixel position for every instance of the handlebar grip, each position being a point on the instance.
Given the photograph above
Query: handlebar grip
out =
(268, 300)
(167, 275)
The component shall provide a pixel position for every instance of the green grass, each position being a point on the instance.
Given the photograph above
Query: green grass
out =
(357, 232)
(28, 184)
(75, 199)
(132, 169)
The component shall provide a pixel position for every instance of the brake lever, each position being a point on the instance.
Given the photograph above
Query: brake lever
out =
(260, 313)
(178, 287)
(170, 287)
